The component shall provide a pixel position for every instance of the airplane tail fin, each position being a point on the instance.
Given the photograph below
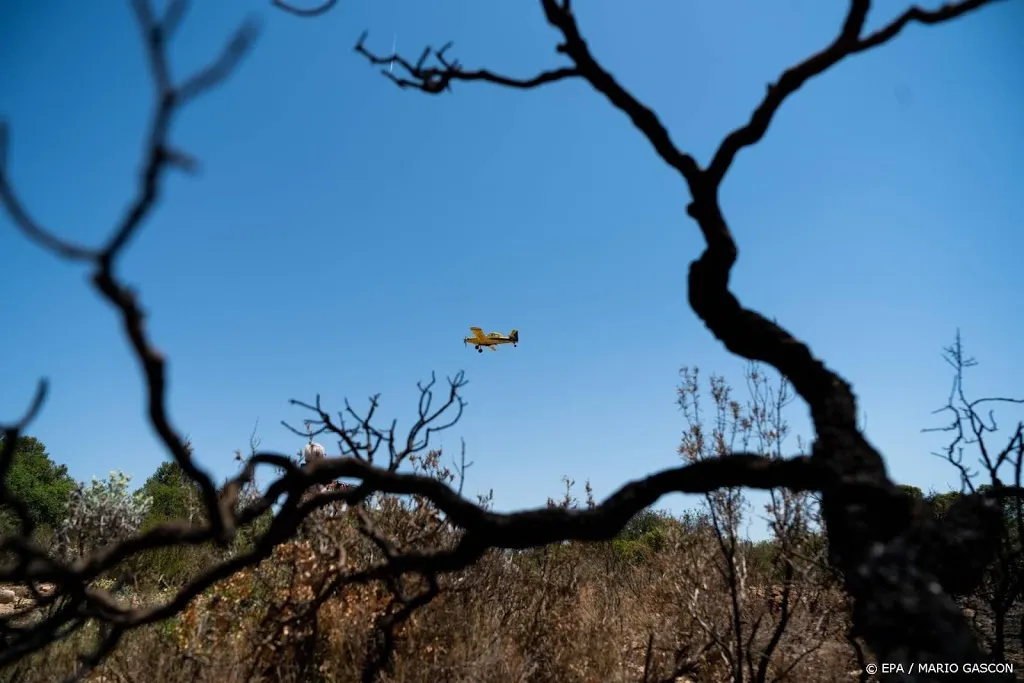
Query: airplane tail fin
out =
(514, 336)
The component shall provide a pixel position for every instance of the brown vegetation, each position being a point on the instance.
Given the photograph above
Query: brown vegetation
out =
(673, 599)
(414, 582)
(647, 606)
(564, 613)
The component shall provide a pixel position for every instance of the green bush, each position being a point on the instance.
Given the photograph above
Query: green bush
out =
(37, 481)
(642, 537)
(174, 496)
(172, 567)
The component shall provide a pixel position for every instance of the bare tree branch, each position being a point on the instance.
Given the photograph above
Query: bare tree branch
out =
(848, 42)
(484, 530)
(877, 543)
(996, 583)
(883, 544)
(438, 79)
(160, 156)
(316, 11)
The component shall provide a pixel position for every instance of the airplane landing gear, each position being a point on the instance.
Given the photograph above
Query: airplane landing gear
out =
(479, 349)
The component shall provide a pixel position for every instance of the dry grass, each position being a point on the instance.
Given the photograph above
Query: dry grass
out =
(669, 600)
(572, 613)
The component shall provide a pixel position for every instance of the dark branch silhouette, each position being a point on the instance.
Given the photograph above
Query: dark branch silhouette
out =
(878, 536)
(437, 79)
(160, 157)
(881, 542)
(315, 11)
(998, 585)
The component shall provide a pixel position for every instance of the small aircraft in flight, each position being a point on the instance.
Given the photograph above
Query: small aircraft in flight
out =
(492, 340)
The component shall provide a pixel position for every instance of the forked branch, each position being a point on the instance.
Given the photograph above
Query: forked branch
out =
(437, 78)
(308, 13)
(878, 541)
(873, 537)
(160, 157)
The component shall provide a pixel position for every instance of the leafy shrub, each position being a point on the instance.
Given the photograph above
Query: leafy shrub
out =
(174, 496)
(642, 536)
(37, 481)
(101, 513)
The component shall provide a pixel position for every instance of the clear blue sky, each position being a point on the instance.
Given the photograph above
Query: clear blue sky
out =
(344, 234)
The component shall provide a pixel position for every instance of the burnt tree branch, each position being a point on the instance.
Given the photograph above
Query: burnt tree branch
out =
(160, 157)
(880, 541)
(877, 537)
(307, 13)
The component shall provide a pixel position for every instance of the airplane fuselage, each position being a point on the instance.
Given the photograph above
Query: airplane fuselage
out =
(492, 340)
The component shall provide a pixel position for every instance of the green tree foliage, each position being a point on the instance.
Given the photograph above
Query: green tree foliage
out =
(914, 492)
(44, 486)
(941, 502)
(176, 498)
(174, 495)
(643, 535)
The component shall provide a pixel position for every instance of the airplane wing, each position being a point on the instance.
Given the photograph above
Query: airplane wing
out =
(478, 333)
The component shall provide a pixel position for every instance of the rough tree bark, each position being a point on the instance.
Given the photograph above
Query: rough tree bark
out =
(884, 545)
(878, 536)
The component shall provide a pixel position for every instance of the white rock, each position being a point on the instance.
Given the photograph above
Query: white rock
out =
(7, 596)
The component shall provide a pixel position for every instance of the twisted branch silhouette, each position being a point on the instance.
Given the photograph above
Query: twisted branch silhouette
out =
(881, 542)
(878, 537)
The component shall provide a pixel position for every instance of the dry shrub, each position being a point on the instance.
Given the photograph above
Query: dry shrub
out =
(671, 599)
(568, 613)
(574, 612)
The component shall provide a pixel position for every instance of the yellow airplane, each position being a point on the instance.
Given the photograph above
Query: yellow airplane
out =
(492, 340)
